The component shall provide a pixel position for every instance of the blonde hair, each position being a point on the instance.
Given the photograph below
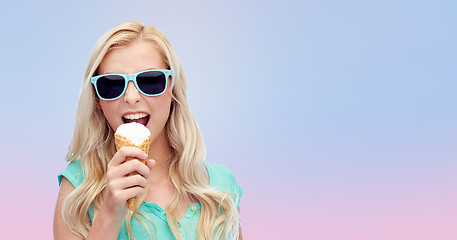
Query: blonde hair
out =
(93, 143)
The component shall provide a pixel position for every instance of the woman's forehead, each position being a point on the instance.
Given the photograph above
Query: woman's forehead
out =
(134, 57)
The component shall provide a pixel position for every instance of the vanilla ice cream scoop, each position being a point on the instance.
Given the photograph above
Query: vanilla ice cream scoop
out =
(135, 132)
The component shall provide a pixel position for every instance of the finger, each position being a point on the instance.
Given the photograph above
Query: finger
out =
(150, 163)
(131, 167)
(132, 192)
(125, 152)
(133, 181)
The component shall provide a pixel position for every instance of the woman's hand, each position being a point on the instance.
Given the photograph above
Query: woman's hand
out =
(119, 186)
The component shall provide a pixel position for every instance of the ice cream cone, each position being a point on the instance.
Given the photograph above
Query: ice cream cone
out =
(123, 141)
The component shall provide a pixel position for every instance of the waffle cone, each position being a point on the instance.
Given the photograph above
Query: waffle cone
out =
(122, 141)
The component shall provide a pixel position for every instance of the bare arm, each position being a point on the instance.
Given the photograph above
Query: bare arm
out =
(61, 230)
(104, 227)
(119, 188)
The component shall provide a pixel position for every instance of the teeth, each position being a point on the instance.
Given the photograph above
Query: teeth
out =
(135, 116)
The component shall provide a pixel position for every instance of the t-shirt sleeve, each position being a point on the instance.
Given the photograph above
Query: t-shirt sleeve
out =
(222, 178)
(73, 173)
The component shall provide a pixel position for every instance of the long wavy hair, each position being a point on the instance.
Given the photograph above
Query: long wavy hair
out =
(93, 144)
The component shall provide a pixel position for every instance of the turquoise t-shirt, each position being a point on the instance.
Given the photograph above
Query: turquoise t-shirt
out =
(220, 178)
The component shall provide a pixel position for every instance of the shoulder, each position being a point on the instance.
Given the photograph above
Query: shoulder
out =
(73, 173)
(222, 178)
(218, 172)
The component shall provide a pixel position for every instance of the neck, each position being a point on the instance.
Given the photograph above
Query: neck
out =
(160, 151)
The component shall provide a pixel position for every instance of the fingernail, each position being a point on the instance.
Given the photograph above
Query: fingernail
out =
(145, 155)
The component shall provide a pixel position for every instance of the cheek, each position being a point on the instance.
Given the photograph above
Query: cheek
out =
(109, 111)
(169, 90)
(160, 110)
(166, 98)
(163, 107)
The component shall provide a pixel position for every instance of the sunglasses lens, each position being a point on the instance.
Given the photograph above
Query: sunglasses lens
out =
(152, 82)
(110, 86)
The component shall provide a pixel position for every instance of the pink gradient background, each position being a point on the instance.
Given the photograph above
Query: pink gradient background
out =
(338, 118)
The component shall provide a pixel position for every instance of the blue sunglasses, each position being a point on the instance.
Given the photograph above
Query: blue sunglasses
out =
(113, 86)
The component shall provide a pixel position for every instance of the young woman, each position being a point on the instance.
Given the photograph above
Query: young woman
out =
(135, 76)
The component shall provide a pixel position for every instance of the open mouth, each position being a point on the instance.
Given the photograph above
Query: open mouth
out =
(142, 118)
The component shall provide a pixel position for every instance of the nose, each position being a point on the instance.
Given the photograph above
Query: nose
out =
(132, 95)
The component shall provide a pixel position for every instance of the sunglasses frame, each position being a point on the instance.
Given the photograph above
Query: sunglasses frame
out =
(131, 77)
